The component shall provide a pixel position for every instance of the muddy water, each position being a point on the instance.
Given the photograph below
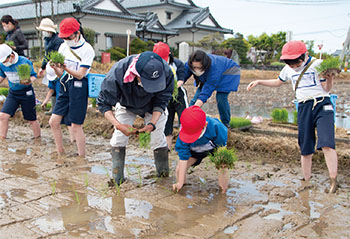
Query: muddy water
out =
(46, 196)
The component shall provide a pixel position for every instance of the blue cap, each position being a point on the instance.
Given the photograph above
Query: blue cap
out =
(151, 69)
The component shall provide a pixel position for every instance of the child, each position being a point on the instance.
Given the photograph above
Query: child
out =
(19, 94)
(314, 110)
(199, 136)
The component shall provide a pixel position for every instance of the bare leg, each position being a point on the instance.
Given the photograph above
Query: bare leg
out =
(223, 179)
(71, 134)
(55, 122)
(331, 161)
(35, 127)
(4, 124)
(79, 137)
(306, 163)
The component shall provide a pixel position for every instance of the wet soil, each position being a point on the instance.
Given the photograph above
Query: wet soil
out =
(43, 195)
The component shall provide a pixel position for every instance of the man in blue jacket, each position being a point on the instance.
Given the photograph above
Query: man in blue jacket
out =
(199, 136)
(137, 85)
(213, 73)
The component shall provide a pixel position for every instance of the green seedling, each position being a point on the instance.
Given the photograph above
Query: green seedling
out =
(144, 140)
(117, 187)
(279, 115)
(107, 173)
(10, 43)
(127, 171)
(140, 177)
(175, 91)
(331, 65)
(223, 158)
(237, 122)
(24, 73)
(93, 102)
(86, 180)
(53, 187)
(77, 198)
(4, 91)
(55, 57)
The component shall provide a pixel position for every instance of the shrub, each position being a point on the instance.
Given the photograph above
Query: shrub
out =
(89, 35)
(24, 73)
(279, 115)
(223, 158)
(4, 91)
(55, 57)
(117, 53)
(237, 122)
(295, 117)
(138, 46)
(277, 63)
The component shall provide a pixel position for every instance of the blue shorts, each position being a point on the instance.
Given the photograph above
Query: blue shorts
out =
(200, 156)
(72, 100)
(321, 118)
(24, 98)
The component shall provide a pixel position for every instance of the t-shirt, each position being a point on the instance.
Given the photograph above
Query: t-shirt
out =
(12, 75)
(310, 83)
(84, 50)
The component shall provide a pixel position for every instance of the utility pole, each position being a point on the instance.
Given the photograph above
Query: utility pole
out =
(345, 51)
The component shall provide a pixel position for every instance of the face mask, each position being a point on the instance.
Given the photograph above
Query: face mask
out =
(71, 43)
(47, 34)
(7, 64)
(198, 73)
(6, 29)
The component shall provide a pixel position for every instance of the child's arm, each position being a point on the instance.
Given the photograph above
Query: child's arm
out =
(270, 83)
(328, 84)
(47, 98)
(181, 175)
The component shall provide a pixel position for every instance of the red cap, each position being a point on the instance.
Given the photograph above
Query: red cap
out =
(192, 120)
(292, 50)
(162, 50)
(68, 26)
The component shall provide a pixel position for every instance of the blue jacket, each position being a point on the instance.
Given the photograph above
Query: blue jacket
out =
(131, 95)
(51, 44)
(223, 75)
(216, 132)
(12, 75)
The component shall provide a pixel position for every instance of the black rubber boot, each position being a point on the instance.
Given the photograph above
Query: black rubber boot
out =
(118, 161)
(161, 160)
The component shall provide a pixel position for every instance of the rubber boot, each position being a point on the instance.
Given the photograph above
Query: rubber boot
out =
(161, 159)
(334, 185)
(118, 161)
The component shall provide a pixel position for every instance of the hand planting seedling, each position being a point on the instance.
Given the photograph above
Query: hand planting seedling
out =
(223, 158)
(56, 57)
(24, 73)
(329, 66)
(144, 139)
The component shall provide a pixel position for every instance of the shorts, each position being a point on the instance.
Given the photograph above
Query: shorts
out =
(72, 100)
(200, 156)
(24, 98)
(321, 118)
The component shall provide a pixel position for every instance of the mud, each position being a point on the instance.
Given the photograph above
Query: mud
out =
(46, 196)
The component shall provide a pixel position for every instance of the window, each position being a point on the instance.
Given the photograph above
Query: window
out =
(168, 15)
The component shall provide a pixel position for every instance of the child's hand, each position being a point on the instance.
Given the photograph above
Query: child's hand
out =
(43, 105)
(177, 187)
(252, 85)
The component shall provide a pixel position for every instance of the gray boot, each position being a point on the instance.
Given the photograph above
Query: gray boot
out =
(118, 161)
(161, 159)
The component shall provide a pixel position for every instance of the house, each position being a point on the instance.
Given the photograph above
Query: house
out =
(172, 21)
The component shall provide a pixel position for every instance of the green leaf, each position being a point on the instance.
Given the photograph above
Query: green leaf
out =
(223, 158)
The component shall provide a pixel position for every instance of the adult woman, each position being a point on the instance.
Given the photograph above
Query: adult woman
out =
(73, 96)
(213, 73)
(14, 34)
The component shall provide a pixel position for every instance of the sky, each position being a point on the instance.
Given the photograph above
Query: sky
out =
(325, 22)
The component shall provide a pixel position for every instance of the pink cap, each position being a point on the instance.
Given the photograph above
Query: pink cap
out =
(292, 50)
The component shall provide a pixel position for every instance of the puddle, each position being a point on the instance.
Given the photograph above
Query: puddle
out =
(100, 170)
(231, 230)
(275, 216)
(311, 206)
(20, 151)
(2, 202)
(245, 192)
(104, 156)
(21, 169)
(287, 226)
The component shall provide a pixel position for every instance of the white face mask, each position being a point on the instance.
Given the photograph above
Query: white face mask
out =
(71, 43)
(198, 73)
(7, 63)
(47, 34)
(6, 29)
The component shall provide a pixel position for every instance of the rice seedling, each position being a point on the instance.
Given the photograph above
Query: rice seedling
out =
(24, 73)
(279, 115)
(127, 171)
(331, 65)
(140, 177)
(55, 57)
(223, 158)
(10, 43)
(117, 187)
(4, 91)
(237, 122)
(86, 180)
(53, 187)
(144, 140)
(77, 198)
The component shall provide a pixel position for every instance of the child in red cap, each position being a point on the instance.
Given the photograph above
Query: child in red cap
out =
(199, 136)
(315, 109)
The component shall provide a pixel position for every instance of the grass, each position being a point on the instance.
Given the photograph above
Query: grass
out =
(55, 57)
(4, 91)
(237, 122)
(223, 158)
(295, 117)
(329, 65)
(24, 73)
(279, 115)
(93, 102)
(145, 140)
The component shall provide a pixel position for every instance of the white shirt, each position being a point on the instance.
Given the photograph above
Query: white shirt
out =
(84, 50)
(310, 83)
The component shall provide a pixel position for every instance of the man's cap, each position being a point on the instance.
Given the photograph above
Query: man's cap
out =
(292, 50)
(68, 26)
(151, 70)
(47, 25)
(5, 51)
(162, 49)
(192, 120)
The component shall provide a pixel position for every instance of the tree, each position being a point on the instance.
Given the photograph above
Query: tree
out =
(310, 47)
(89, 35)
(138, 46)
(239, 44)
(210, 42)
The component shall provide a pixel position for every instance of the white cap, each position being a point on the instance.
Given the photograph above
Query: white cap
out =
(47, 25)
(5, 51)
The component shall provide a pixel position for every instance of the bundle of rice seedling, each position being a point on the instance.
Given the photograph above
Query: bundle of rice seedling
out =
(24, 73)
(331, 65)
(10, 43)
(4, 91)
(238, 122)
(223, 158)
(144, 140)
(55, 57)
